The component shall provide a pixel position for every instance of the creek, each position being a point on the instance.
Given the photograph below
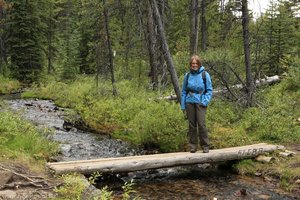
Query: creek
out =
(190, 182)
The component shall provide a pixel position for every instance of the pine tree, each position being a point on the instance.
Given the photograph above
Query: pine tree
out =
(48, 18)
(25, 40)
(68, 38)
(3, 36)
(281, 32)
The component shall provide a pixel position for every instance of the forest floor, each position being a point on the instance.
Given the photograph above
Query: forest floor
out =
(19, 182)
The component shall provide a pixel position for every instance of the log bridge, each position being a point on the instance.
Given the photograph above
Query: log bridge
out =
(155, 161)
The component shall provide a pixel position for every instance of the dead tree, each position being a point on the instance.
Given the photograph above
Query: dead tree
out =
(194, 24)
(203, 25)
(246, 41)
(110, 53)
(166, 50)
(152, 43)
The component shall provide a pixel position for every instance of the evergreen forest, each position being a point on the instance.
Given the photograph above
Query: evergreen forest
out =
(120, 66)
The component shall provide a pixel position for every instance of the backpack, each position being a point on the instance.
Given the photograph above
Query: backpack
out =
(203, 77)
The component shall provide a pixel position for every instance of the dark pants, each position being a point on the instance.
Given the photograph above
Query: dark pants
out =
(196, 118)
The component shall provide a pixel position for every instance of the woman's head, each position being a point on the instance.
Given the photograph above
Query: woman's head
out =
(195, 62)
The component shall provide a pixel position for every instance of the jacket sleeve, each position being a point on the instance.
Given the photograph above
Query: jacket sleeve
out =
(209, 90)
(183, 93)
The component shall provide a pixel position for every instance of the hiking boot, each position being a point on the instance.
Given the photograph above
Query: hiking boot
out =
(193, 148)
(205, 149)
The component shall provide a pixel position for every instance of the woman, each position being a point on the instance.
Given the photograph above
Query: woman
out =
(195, 96)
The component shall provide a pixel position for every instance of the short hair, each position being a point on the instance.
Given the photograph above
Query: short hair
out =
(197, 58)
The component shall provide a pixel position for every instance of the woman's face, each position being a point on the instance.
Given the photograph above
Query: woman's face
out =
(194, 65)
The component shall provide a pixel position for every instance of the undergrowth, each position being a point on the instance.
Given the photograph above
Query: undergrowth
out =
(75, 188)
(20, 140)
(8, 85)
(136, 114)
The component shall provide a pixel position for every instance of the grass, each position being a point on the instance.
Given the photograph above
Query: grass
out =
(21, 141)
(75, 188)
(287, 170)
(8, 85)
(136, 115)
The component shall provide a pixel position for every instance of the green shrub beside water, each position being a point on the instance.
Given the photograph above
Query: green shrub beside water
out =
(8, 85)
(21, 140)
(137, 115)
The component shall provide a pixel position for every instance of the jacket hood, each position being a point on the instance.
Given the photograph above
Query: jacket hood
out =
(198, 71)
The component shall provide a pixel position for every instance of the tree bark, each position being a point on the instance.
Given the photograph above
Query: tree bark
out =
(203, 25)
(3, 54)
(166, 50)
(152, 44)
(1, 39)
(246, 41)
(110, 53)
(50, 36)
(155, 161)
(194, 27)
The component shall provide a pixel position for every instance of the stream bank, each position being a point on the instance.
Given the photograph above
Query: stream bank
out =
(193, 182)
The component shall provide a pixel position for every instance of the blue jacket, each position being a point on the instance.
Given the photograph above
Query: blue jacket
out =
(190, 91)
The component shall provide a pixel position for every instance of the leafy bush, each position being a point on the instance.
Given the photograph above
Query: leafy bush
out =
(8, 85)
(72, 188)
(136, 115)
(21, 139)
(161, 124)
(292, 81)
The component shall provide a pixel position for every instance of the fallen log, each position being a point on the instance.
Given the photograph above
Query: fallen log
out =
(155, 161)
(260, 82)
(264, 159)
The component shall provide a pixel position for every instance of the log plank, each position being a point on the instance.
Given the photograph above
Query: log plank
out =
(155, 161)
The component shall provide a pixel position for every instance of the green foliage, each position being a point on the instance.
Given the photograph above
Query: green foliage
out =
(280, 37)
(128, 190)
(94, 177)
(285, 180)
(106, 194)
(287, 169)
(25, 40)
(21, 139)
(137, 116)
(8, 85)
(72, 188)
(245, 167)
(161, 124)
(292, 80)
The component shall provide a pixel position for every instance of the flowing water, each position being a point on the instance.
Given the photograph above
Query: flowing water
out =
(190, 182)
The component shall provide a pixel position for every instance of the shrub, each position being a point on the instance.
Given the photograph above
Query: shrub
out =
(8, 85)
(21, 139)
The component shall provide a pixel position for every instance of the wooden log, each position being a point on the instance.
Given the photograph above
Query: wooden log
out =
(287, 153)
(155, 161)
(264, 159)
(260, 82)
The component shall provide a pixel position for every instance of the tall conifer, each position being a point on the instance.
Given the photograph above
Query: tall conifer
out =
(25, 40)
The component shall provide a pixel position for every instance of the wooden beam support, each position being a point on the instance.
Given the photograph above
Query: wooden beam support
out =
(144, 162)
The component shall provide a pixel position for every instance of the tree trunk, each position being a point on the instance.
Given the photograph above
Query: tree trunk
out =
(110, 53)
(162, 69)
(166, 50)
(194, 27)
(50, 40)
(249, 80)
(152, 44)
(1, 39)
(156, 161)
(203, 26)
